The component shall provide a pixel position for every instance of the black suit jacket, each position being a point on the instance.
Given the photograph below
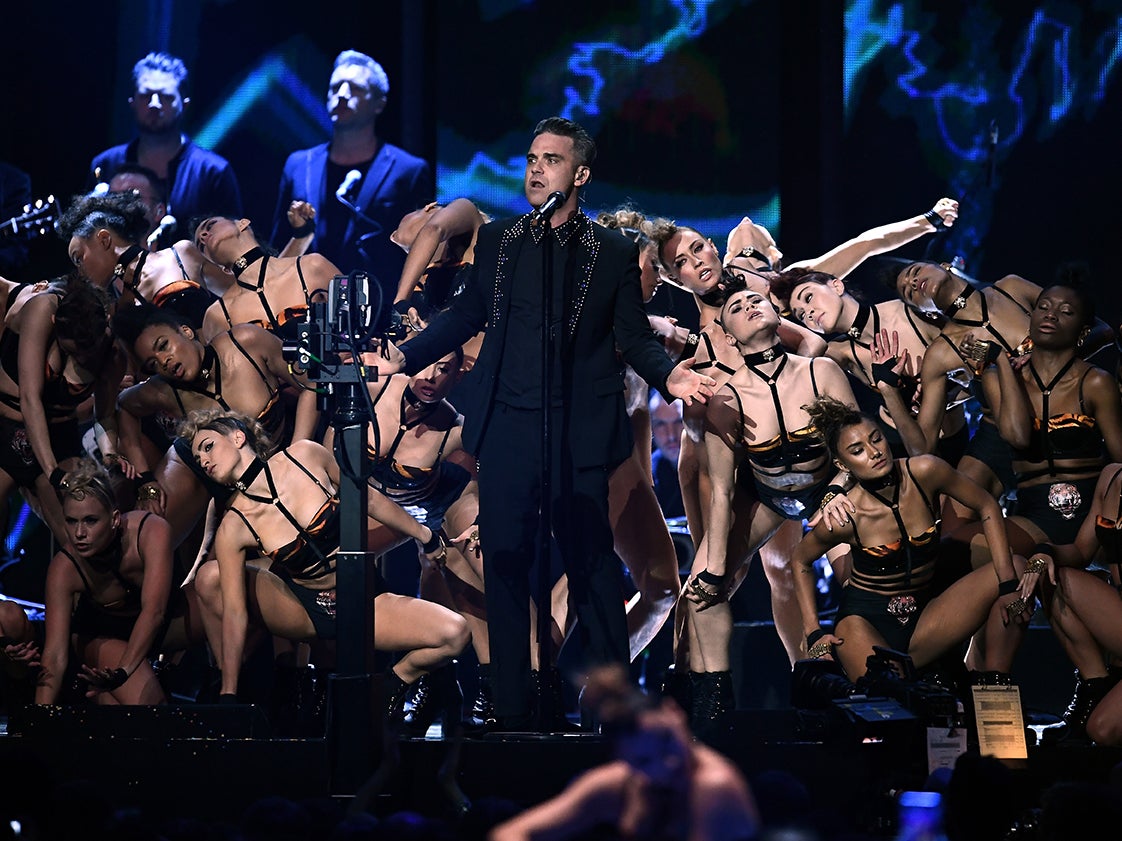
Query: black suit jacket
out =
(605, 311)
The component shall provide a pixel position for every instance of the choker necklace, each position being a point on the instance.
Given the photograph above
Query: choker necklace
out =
(764, 356)
(413, 400)
(959, 302)
(243, 482)
(210, 356)
(125, 260)
(885, 481)
(242, 263)
(859, 321)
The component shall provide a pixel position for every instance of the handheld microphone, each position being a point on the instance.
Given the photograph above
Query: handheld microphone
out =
(351, 178)
(166, 224)
(547, 208)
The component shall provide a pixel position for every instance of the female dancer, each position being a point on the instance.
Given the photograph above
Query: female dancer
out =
(272, 292)
(440, 242)
(418, 462)
(1076, 409)
(53, 358)
(109, 595)
(691, 260)
(105, 232)
(824, 304)
(987, 320)
(648, 551)
(893, 531)
(756, 430)
(1086, 610)
(241, 369)
(285, 506)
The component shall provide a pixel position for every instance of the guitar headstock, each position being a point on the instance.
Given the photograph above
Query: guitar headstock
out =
(38, 218)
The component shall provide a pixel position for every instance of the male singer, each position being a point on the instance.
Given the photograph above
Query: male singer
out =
(597, 307)
(359, 185)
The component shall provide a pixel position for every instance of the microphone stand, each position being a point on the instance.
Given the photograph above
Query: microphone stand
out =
(545, 712)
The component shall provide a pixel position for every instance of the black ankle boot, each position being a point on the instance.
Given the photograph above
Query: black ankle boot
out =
(394, 690)
(483, 710)
(438, 695)
(1088, 693)
(712, 703)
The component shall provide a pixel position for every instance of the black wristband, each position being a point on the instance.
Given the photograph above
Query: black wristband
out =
(711, 578)
(835, 489)
(1007, 587)
(227, 698)
(117, 678)
(1044, 549)
(402, 307)
(935, 219)
(56, 477)
(992, 353)
(883, 373)
(433, 544)
(305, 230)
(813, 637)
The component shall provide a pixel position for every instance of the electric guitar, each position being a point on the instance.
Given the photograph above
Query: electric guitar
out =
(37, 219)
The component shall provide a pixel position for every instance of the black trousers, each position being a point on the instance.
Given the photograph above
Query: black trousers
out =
(510, 466)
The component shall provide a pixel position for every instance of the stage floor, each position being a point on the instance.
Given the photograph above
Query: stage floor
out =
(210, 763)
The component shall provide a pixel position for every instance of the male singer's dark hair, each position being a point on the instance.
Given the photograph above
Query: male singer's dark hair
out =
(584, 147)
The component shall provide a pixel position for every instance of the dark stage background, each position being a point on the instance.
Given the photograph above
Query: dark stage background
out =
(842, 115)
(819, 119)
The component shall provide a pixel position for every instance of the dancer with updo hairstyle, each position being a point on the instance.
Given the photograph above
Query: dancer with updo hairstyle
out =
(893, 531)
(285, 506)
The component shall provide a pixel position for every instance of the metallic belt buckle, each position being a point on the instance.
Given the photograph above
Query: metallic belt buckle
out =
(902, 608)
(1064, 498)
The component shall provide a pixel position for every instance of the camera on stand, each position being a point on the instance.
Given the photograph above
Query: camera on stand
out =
(343, 325)
(330, 350)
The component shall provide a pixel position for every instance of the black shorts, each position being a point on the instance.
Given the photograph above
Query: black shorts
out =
(17, 458)
(1046, 506)
(893, 616)
(988, 447)
(792, 505)
(319, 604)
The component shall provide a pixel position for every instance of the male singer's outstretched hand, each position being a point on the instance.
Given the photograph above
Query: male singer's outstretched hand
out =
(686, 383)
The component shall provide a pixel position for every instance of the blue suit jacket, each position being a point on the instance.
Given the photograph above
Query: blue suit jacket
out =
(396, 183)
